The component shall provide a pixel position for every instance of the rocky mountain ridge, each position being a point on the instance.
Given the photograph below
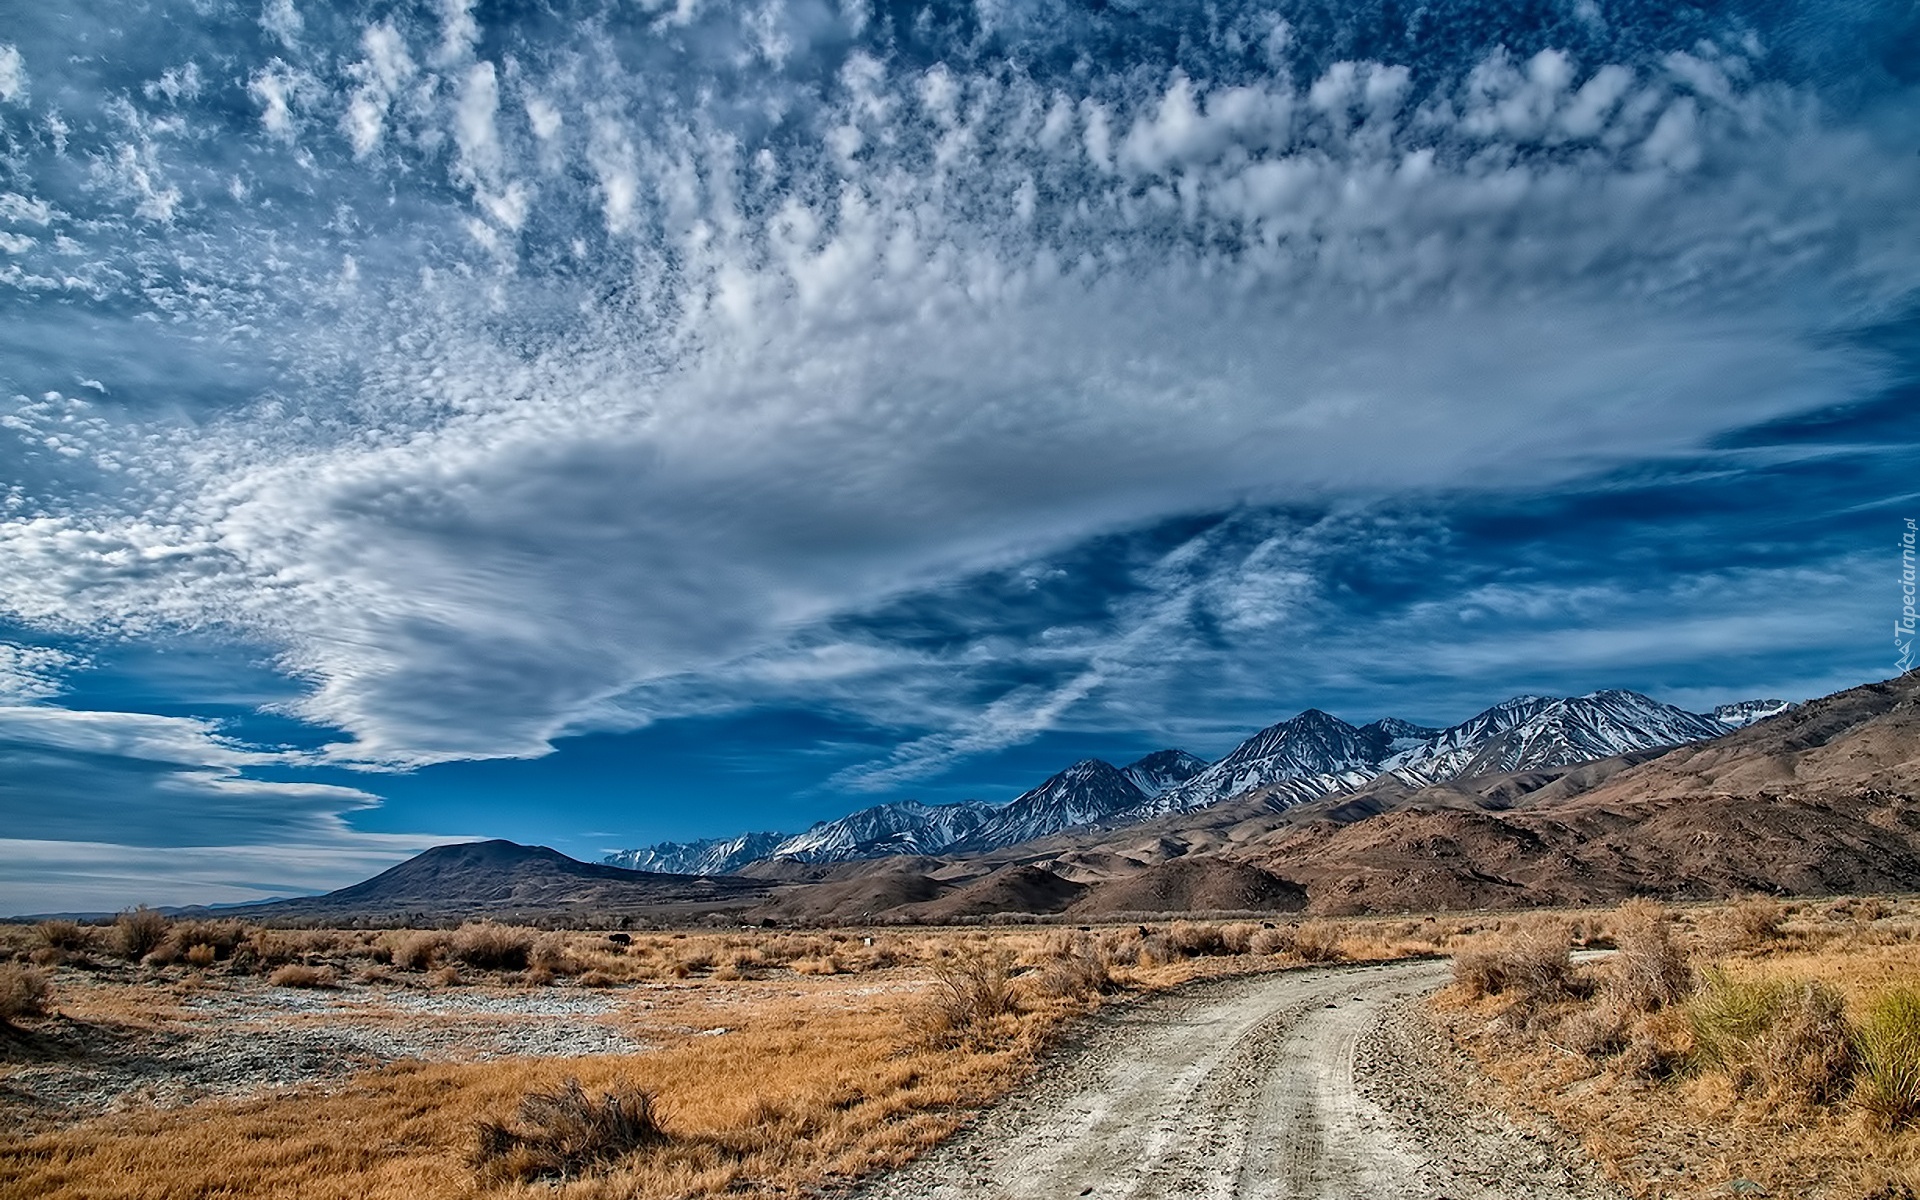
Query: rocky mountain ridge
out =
(1296, 761)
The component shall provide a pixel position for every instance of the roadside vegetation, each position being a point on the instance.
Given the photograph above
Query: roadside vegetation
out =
(778, 1061)
(1758, 1048)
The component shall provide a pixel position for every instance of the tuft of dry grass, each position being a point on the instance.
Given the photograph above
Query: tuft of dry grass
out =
(1072, 967)
(299, 975)
(489, 947)
(565, 1133)
(62, 935)
(24, 992)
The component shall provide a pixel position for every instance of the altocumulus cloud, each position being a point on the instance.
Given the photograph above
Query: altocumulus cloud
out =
(501, 377)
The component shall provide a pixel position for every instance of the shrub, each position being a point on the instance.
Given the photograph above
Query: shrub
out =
(24, 992)
(201, 955)
(1753, 922)
(973, 987)
(1317, 942)
(1533, 967)
(1888, 1050)
(222, 937)
(1237, 938)
(489, 947)
(1596, 1031)
(1791, 1039)
(269, 947)
(418, 951)
(565, 1133)
(1157, 949)
(1073, 968)
(1194, 940)
(550, 956)
(300, 975)
(1270, 940)
(138, 932)
(61, 935)
(1649, 971)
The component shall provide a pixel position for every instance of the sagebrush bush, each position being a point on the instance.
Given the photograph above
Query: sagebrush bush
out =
(1532, 967)
(138, 932)
(490, 947)
(24, 992)
(1887, 1048)
(1073, 968)
(418, 951)
(300, 975)
(973, 987)
(222, 936)
(61, 935)
(1317, 942)
(1650, 970)
(565, 1133)
(1193, 939)
(1789, 1038)
(1270, 940)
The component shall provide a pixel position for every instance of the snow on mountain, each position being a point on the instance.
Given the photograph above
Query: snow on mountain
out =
(1163, 769)
(1088, 791)
(1310, 745)
(1395, 736)
(902, 827)
(1745, 712)
(1530, 732)
(710, 856)
(1302, 759)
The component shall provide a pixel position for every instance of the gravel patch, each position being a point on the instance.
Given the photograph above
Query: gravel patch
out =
(243, 1041)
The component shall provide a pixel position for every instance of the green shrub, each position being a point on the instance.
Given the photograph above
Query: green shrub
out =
(1789, 1038)
(1888, 1049)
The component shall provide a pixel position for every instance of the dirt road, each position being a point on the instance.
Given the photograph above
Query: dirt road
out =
(1308, 1085)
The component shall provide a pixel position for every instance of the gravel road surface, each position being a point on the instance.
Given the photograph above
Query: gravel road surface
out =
(1305, 1085)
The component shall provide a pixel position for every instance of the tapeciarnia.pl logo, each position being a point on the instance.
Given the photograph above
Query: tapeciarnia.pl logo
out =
(1903, 628)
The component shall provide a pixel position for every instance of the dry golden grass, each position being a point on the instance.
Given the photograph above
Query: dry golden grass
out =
(817, 1076)
(1727, 1043)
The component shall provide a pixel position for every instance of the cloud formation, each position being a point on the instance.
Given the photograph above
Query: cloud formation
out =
(565, 374)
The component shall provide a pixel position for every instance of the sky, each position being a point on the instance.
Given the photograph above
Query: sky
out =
(606, 422)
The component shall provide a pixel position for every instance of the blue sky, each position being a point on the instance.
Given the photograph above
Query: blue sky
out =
(599, 423)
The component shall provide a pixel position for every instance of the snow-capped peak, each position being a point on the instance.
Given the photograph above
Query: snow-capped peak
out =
(1742, 713)
(1163, 769)
(1531, 732)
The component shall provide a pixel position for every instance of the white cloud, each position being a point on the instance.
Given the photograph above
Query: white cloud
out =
(13, 74)
(281, 19)
(46, 875)
(380, 73)
(274, 87)
(29, 673)
(789, 376)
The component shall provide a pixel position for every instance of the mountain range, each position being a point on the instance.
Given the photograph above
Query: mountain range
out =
(1811, 799)
(1296, 761)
